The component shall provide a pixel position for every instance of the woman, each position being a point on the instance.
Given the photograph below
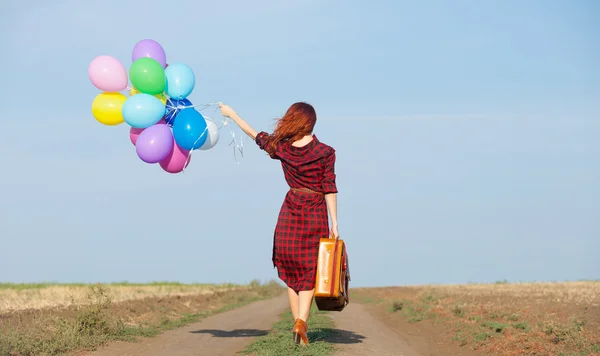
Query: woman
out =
(308, 167)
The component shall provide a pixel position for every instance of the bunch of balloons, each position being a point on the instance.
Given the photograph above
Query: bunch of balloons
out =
(165, 127)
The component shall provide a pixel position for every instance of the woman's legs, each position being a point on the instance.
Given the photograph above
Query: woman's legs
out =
(305, 302)
(300, 303)
(294, 302)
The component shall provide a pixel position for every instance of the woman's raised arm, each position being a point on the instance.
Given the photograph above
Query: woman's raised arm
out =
(227, 111)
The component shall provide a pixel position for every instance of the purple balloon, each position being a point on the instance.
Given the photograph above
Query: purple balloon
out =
(155, 143)
(151, 49)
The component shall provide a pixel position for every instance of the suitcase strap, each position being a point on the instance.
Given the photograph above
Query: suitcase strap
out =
(334, 277)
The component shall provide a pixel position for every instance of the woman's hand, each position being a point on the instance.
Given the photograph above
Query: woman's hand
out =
(334, 231)
(226, 110)
(331, 200)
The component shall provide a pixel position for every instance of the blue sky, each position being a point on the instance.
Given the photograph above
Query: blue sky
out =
(466, 135)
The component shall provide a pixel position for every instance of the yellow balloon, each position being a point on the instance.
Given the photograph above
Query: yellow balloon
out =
(162, 96)
(107, 108)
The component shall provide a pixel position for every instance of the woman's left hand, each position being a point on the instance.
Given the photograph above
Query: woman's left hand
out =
(226, 110)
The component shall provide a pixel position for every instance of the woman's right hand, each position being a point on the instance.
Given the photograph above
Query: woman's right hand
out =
(226, 110)
(334, 231)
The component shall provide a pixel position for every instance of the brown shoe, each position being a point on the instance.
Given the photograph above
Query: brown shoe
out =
(299, 332)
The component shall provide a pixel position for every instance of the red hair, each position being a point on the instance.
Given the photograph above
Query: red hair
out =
(298, 121)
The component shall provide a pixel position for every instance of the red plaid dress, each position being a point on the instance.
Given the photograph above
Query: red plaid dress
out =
(303, 218)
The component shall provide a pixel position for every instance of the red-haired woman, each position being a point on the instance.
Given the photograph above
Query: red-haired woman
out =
(308, 168)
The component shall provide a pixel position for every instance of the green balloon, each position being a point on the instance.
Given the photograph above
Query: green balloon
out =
(147, 76)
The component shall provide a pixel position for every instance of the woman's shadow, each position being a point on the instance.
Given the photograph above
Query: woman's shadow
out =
(329, 335)
(336, 336)
(232, 333)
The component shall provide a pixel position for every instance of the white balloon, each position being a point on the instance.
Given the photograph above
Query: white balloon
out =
(213, 135)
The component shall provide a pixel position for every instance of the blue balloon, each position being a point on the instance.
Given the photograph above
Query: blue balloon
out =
(190, 130)
(180, 81)
(174, 107)
(143, 110)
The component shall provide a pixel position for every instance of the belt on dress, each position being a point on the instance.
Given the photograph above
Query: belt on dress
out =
(306, 190)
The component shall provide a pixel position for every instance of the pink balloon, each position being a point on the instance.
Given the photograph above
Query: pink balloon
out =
(108, 74)
(134, 133)
(175, 162)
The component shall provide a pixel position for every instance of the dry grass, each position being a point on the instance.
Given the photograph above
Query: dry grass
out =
(97, 318)
(503, 318)
(577, 293)
(21, 297)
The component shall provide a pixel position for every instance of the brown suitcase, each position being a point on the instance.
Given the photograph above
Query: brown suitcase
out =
(333, 275)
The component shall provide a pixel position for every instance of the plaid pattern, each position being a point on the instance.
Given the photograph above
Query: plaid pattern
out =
(303, 216)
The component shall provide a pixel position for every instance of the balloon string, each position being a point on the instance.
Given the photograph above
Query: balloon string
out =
(236, 147)
(189, 156)
(240, 147)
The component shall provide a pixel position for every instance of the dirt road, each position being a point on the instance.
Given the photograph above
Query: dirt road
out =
(361, 334)
(358, 333)
(221, 334)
